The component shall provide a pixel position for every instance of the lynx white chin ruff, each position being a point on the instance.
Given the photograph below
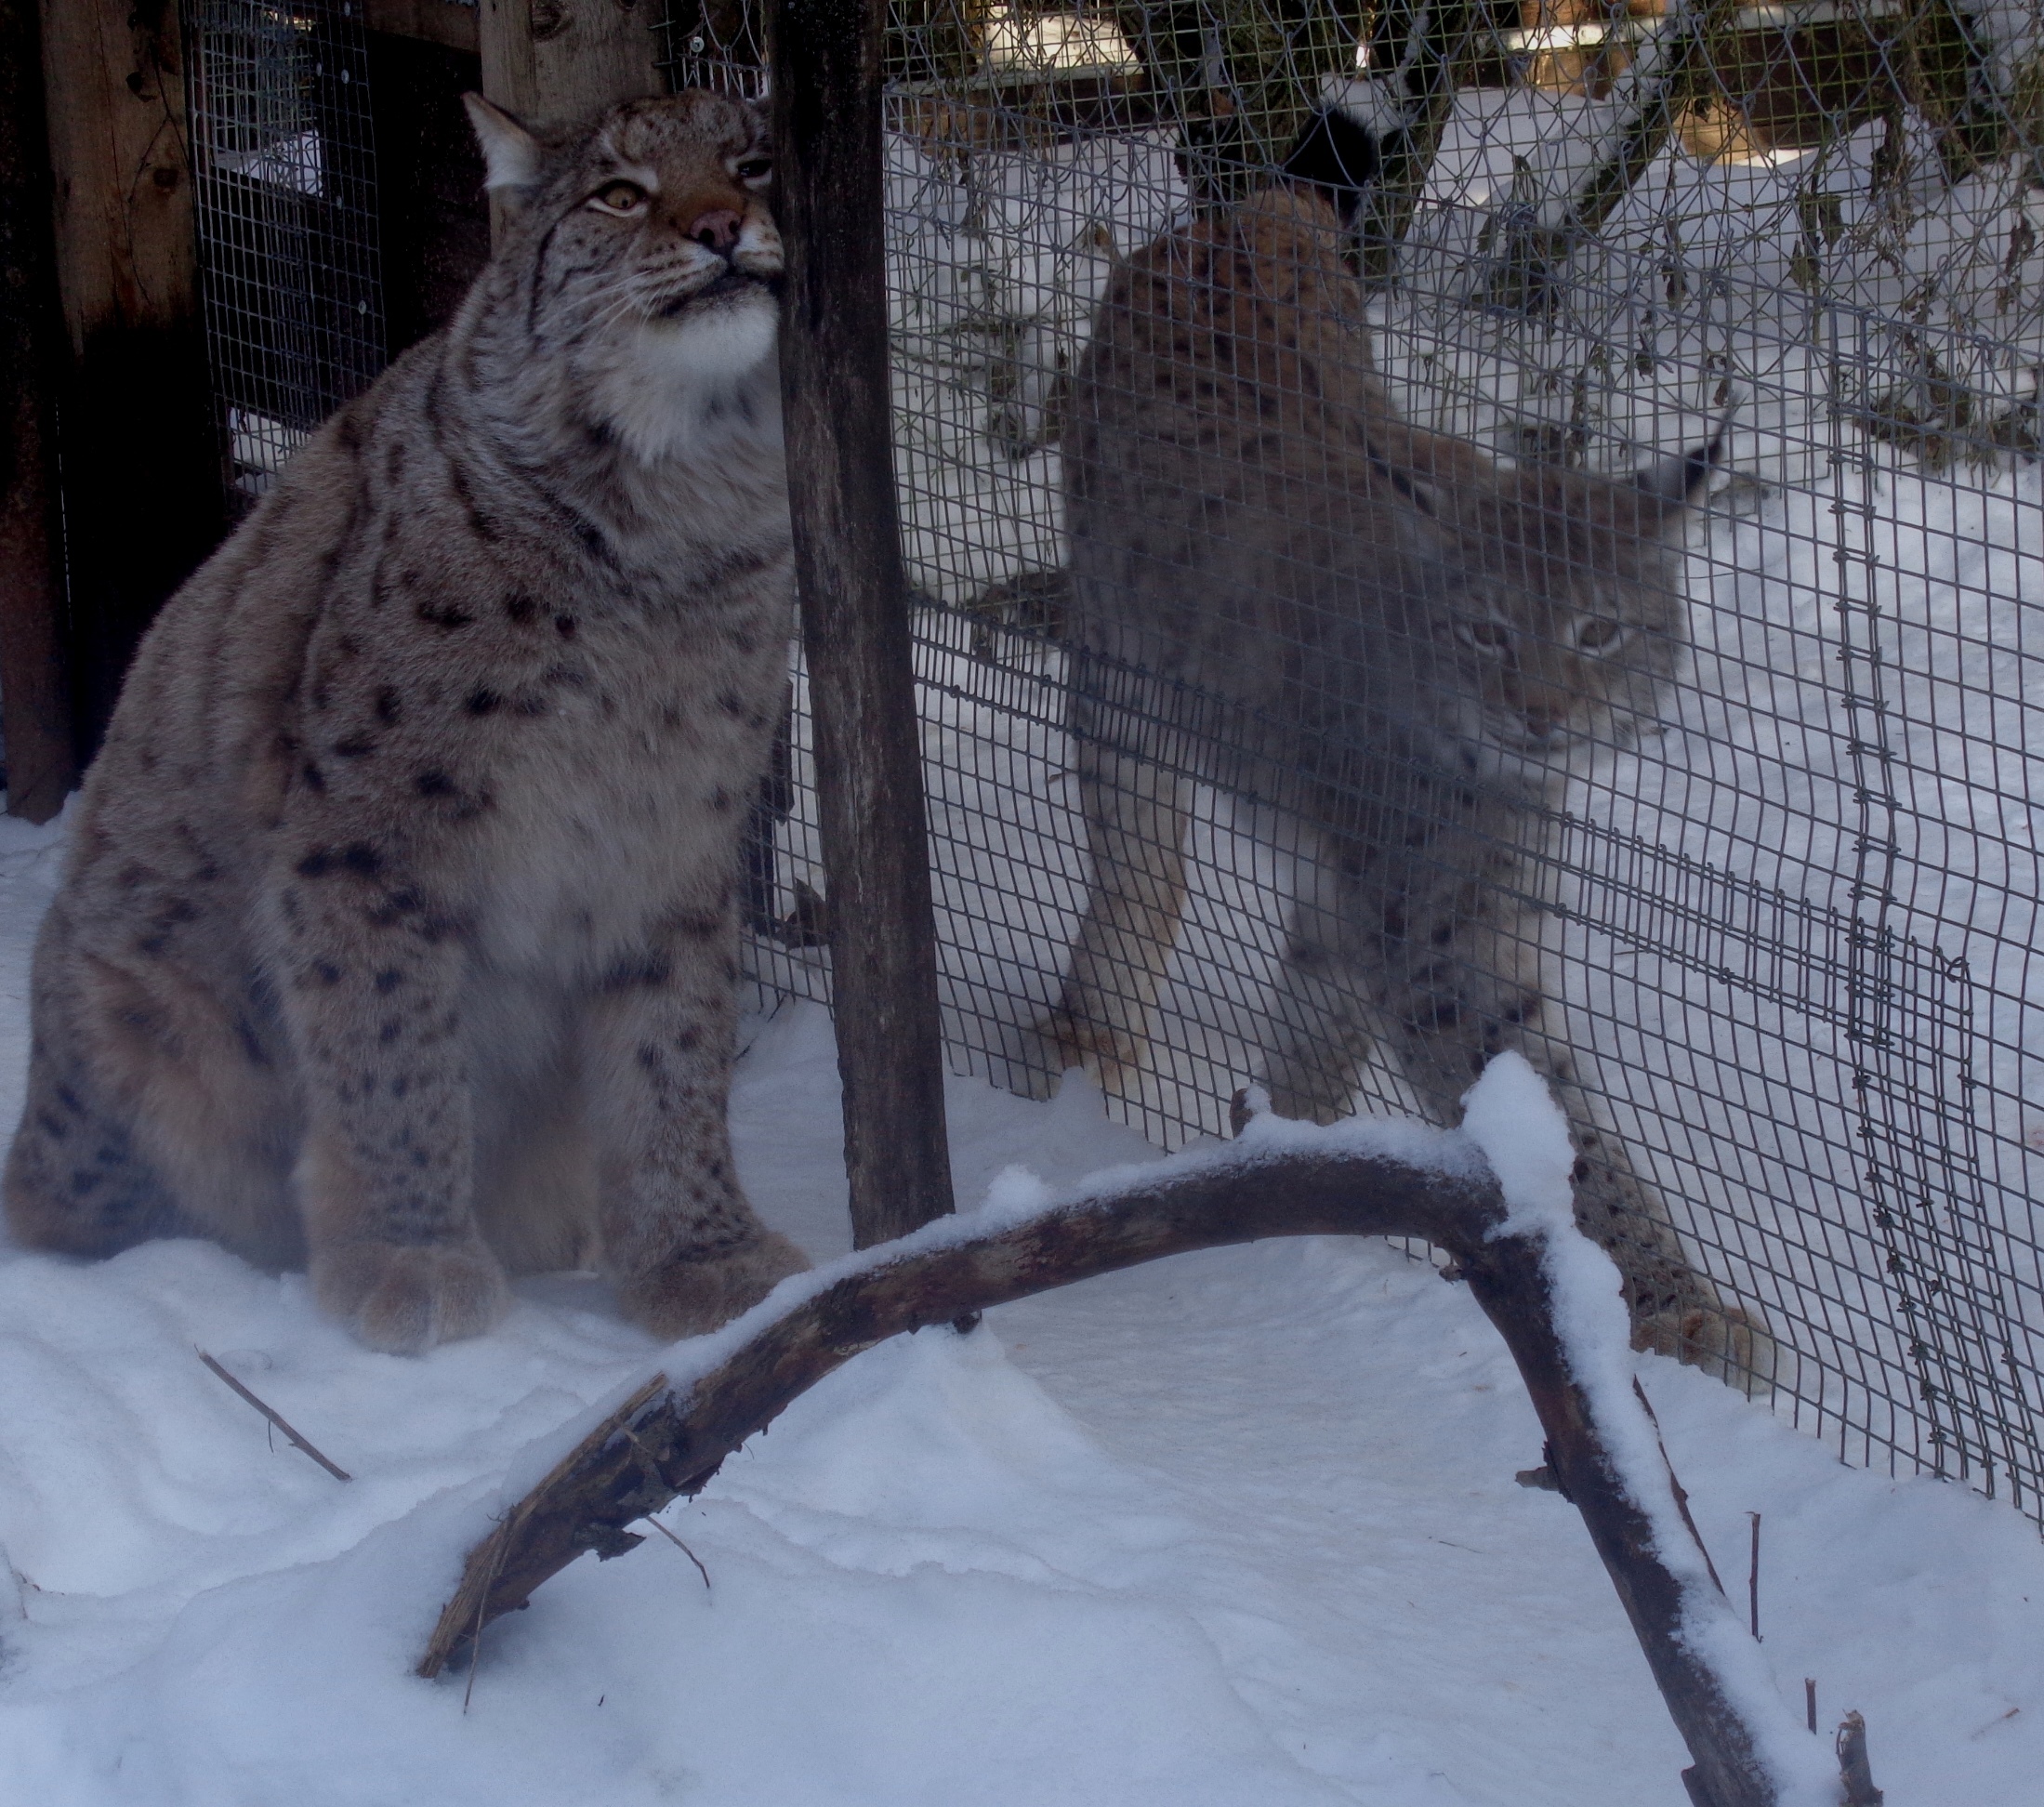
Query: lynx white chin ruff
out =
(680, 385)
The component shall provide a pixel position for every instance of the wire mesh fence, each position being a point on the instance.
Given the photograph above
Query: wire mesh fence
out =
(1308, 700)
(1200, 766)
(283, 162)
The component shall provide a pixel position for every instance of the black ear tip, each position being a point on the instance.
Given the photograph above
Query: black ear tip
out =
(1335, 155)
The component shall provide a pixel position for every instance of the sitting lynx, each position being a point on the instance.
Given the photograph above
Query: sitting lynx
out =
(1281, 587)
(398, 937)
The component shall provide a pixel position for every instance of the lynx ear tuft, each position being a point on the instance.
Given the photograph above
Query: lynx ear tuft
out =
(1679, 482)
(511, 152)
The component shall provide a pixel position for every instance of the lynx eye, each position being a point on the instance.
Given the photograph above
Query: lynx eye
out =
(1487, 637)
(1597, 635)
(621, 197)
(753, 169)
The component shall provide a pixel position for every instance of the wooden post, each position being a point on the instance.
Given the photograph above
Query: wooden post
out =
(826, 55)
(35, 700)
(141, 456)
(557, 59)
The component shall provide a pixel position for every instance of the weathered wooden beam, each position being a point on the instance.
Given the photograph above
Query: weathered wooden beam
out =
(34, 699)
(442, 22)
(141, 464)
(430, 21)
(669, 1439)
(826, 57)
(556, 60)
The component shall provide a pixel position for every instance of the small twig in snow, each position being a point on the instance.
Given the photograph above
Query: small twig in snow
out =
(1753, 1582)
(1810, 1700)
(334, 1469)
(475, 1638)
(683, 1549)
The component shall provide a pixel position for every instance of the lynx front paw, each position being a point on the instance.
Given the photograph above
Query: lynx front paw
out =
(689, 1295)
(1114, 1056)
(403, 1300)
(1725, 1341)
(1308, 1093)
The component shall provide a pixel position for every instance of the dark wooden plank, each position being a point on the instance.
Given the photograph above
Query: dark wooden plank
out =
(432, 217)
(556, 60)
(35, 700)
(442, 22)
(142, 492)
(855, 612)
(669, 1440)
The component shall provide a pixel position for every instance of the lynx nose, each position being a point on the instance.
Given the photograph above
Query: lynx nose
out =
(717, 230)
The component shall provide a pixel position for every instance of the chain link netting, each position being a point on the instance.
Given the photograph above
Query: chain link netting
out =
(283, 162)
(1780, 925)
(1785, 932)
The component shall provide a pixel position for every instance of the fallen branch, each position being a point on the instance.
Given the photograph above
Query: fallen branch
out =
(291, 1436)
(671, 1435)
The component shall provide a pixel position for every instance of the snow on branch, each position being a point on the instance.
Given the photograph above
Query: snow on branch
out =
(1495, 1197)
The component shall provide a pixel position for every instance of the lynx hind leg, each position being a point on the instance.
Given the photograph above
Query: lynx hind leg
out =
(1676, 1309)
(75, 1183)
(152, 1111)
(1325, 1022)
(1138, 811)
(1463, 979)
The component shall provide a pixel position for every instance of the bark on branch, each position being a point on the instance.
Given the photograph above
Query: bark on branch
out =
(671, 1437)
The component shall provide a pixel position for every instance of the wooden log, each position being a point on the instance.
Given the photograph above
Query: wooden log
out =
(1431, 44)
(141, 451)
(558, 59)
(669, 1439)
(452, 26)
(855, 613)
(35, 700)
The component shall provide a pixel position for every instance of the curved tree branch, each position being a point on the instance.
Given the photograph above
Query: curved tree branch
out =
(671, 1435)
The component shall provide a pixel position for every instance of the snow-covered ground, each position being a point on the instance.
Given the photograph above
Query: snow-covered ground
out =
(1236, 1527)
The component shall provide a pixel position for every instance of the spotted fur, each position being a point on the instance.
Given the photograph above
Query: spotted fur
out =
(1283, 588)
(398, 934)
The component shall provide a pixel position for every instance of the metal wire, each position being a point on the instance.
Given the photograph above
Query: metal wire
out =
(1791, 928)
(1787, 933)
(285, 182)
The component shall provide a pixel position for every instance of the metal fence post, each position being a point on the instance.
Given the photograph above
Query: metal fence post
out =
(826, 59)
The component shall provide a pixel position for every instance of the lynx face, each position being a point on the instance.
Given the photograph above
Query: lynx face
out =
(1564, 624)
(655, 266)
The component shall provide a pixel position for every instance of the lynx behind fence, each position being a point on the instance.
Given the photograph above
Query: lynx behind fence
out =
(1778, 911)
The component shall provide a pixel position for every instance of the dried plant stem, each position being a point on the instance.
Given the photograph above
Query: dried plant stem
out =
(1753, 1582)
(276, 1418)
(683, 1549)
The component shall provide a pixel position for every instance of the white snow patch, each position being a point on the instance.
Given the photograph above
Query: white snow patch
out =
(1238, 1526)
